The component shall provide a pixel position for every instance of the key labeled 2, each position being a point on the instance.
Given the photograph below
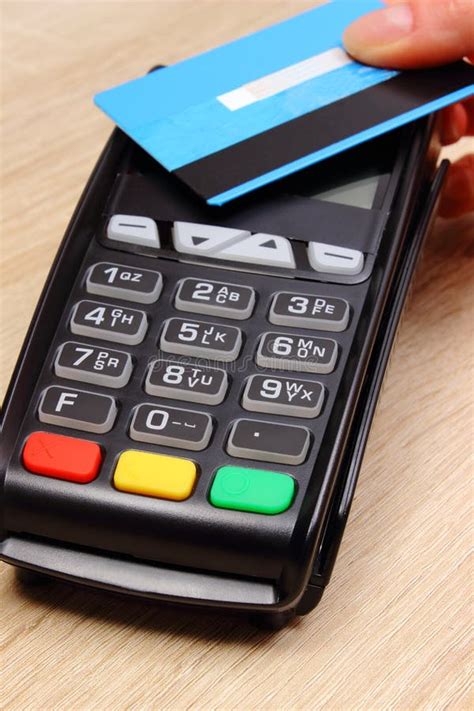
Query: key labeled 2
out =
(280, 351)
(111, 323)
(201, 340)
(91, 364)
(201, 296)
(172, 427)
(124, 282)
(323, 313)
(283, 396)
(184, 381)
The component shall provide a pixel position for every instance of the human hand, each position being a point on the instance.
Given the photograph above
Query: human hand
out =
(426, 33)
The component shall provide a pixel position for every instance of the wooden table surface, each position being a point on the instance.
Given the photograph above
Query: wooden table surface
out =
(393, 630)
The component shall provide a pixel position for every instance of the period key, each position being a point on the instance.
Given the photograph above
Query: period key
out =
(280, 351)
(110, 323)
(322, 313)
(185, 381)
(268, 442)
(92, 364)
(124, 282)
(200, 339)
(201, 296)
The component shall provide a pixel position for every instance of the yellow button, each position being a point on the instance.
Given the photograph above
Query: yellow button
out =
(155, 475)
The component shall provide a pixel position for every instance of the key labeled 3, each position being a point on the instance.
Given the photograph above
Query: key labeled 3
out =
(283, 396)
(323, 313)
(201, 340)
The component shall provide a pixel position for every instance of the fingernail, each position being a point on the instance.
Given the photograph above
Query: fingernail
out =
(384, 26)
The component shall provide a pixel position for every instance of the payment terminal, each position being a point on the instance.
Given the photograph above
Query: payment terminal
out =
(188, 415)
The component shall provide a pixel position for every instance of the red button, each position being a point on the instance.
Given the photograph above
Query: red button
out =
(62, 457)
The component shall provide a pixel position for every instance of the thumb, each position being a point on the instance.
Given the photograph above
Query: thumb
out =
(408, 35)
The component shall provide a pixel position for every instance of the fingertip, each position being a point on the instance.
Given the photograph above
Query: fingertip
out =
(458, 196)
(366, 38)
(454, 124)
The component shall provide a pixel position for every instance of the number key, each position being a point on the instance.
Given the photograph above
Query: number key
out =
(91, 364)
(185, 429)
(185, 381)
(280, 351)
(201, 340)
(215, 298)
(110, 323)
(124, 282)
(283, 396)
(323, 313)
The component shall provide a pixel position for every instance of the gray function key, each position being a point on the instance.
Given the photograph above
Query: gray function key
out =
(322, 313)
(283, 396)
(305, 354)
(110, 323)
(260, 249)
(216, 298)
(331, 259)
(91, 364)
(124, 282)
(201, 340)
(184, 381)
(77, 409)
(171, 427)
(268, 442)
(133, 229)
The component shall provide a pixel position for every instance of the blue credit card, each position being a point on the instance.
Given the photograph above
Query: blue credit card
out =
(248, 113)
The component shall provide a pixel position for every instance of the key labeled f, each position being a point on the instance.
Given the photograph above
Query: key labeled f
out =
(66, 399)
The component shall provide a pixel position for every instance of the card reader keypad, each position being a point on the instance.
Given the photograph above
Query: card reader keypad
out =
(197, 369)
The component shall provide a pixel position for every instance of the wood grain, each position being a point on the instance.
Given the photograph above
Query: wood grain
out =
(394, 629)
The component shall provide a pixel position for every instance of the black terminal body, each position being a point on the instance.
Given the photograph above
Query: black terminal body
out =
(317, 313)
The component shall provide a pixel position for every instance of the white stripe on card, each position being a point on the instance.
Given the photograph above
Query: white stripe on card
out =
(287, 78)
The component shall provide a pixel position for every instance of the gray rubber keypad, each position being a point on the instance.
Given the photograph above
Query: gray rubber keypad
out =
(168, 355)
(215, 298)
(172, 427)
(92, 364)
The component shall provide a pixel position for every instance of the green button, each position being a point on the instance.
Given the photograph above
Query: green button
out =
(252, 490)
